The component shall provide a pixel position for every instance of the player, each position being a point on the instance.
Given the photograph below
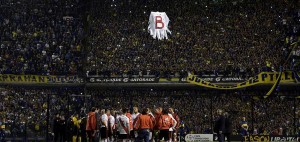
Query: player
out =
(165, 123)
(153, 122)
(111, 125)
(135, 115)
(117, 116)
(157, 115)
(173, 134)
(104, 125)
(131, 125)
(123, 126)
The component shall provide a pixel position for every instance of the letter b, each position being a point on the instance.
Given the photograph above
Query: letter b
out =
(159, 24)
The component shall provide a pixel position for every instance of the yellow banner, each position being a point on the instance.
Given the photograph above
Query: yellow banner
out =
(10, 78)
(261, 78)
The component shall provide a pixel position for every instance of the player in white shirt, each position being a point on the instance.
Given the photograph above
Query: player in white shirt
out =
(123, 126)
(134, 116)
(173, 127)
(135, 113)
(111, 126)
(151, 132)
(118, 114)
(104, 125)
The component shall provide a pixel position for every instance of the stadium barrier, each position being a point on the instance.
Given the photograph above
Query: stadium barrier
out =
(39, 79)
(122, 80)
(261, 78)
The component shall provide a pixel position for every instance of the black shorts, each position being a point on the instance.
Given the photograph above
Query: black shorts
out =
(117, 133)
(103, 132)
(109, 133)
(123, 136)
(132, 136)
(164, 134)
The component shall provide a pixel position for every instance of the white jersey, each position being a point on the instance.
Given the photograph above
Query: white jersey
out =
(122, 122)
(175, 122)
(112, 121)
(152, 114)
(104, 119)
(116, 122)
(134, 116)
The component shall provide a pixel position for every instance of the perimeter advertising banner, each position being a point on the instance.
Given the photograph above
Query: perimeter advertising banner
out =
(221, 79)
(212, 79)
(123, 80)
(261, 78)
(10, 78)
(268, 138)
(260, 138)
(199, 137)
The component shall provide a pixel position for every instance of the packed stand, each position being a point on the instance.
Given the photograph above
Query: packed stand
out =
(272, 115)
(23, 111)
(40, 37)
(239, 38)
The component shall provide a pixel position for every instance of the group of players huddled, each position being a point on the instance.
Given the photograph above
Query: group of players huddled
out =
(120, 125)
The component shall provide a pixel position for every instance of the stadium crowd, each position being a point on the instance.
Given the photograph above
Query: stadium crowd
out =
(40, 37)
(197, 111)
(239, 38)
(24, 110)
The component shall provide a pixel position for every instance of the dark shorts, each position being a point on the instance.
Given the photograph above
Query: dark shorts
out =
(103, 132)
(90, 133)
(122, 136)
(164, 134)
(109, 133)
(117, 133)
(132, 136)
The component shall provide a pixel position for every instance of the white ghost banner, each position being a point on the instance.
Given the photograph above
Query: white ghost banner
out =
(158, 25)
